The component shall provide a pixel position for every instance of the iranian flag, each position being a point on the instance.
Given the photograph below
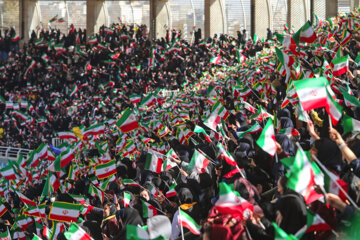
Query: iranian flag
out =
(312, 92)
(148, 210)
(284, 58)
(126, 199)
(281, 234)
(64, 212)
(230, 202)
(25, 200)
(340, 65)
(96, 129)
(198, 163)
(350, 100)
(154, 161)
(350, 124)
(260, 114)
(287, 41)
(290, 131)
(253, 129)
(67, 135)
(171, 191)
(332, 182)
(105, 170)
(38, 211)
(15, 37)
(199, 129)
(46, 232)
(92, 39)
(53, 19)
(45, 57)
(130, 182)
(225, 154)
(135, 98)
(3, 210)
(136, 233)
(305, 34)
(8, 173)
(332, 107)
(127, 121)
(5, 235)
(218, 112)
(248, 106)
(66, 157)
(79, 198)
(315, 222)
(74, 90)
(148, 101)
(267, 140)
(168, 164)
(76, 233)
(216, 60)
(186, 221)
(301, 177)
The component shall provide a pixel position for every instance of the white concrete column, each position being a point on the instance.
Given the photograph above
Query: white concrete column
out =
(95, 15)
(261, 17)
(161, 16)
(29, 17)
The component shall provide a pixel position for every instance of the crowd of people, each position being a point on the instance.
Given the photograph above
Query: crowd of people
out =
(219, 138)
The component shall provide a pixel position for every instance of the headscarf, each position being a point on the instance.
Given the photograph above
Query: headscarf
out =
(329, 154)
(129, 216)
(286, 144)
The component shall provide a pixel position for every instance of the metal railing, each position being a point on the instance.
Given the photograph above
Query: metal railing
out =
(56, 141)
(12, 153)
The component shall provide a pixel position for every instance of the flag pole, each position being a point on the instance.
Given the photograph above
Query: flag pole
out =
(182, 229)
(337, 184)
(330, 123)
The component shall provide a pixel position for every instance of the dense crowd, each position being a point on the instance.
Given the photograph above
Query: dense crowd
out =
(219, 138)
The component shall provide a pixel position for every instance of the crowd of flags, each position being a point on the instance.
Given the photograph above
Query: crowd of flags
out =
(306, 90)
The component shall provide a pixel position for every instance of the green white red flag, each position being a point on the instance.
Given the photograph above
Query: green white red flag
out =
(3, 210)
(127, 121)
(340, 65)
(230, 202)
(216, 60)
(136, 233)
(75, 232)
(154, 161)
(287, 41)
(148, 101)
(316, 223)
(5, 235)
(198, 163)
(218, 112)
(305, 34)
(188, 222)
(96, 129)
(64, 212)
(105, 170)
(281, 234)
(171, 192)
(285, 59)
(148, 210)
(67, 135)
(66, 157)
(225, 154)
(301, 177)
(267, 140)
(332, 107)
(350, 124)
(8, 172)
(312, 92)
(350, 100)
